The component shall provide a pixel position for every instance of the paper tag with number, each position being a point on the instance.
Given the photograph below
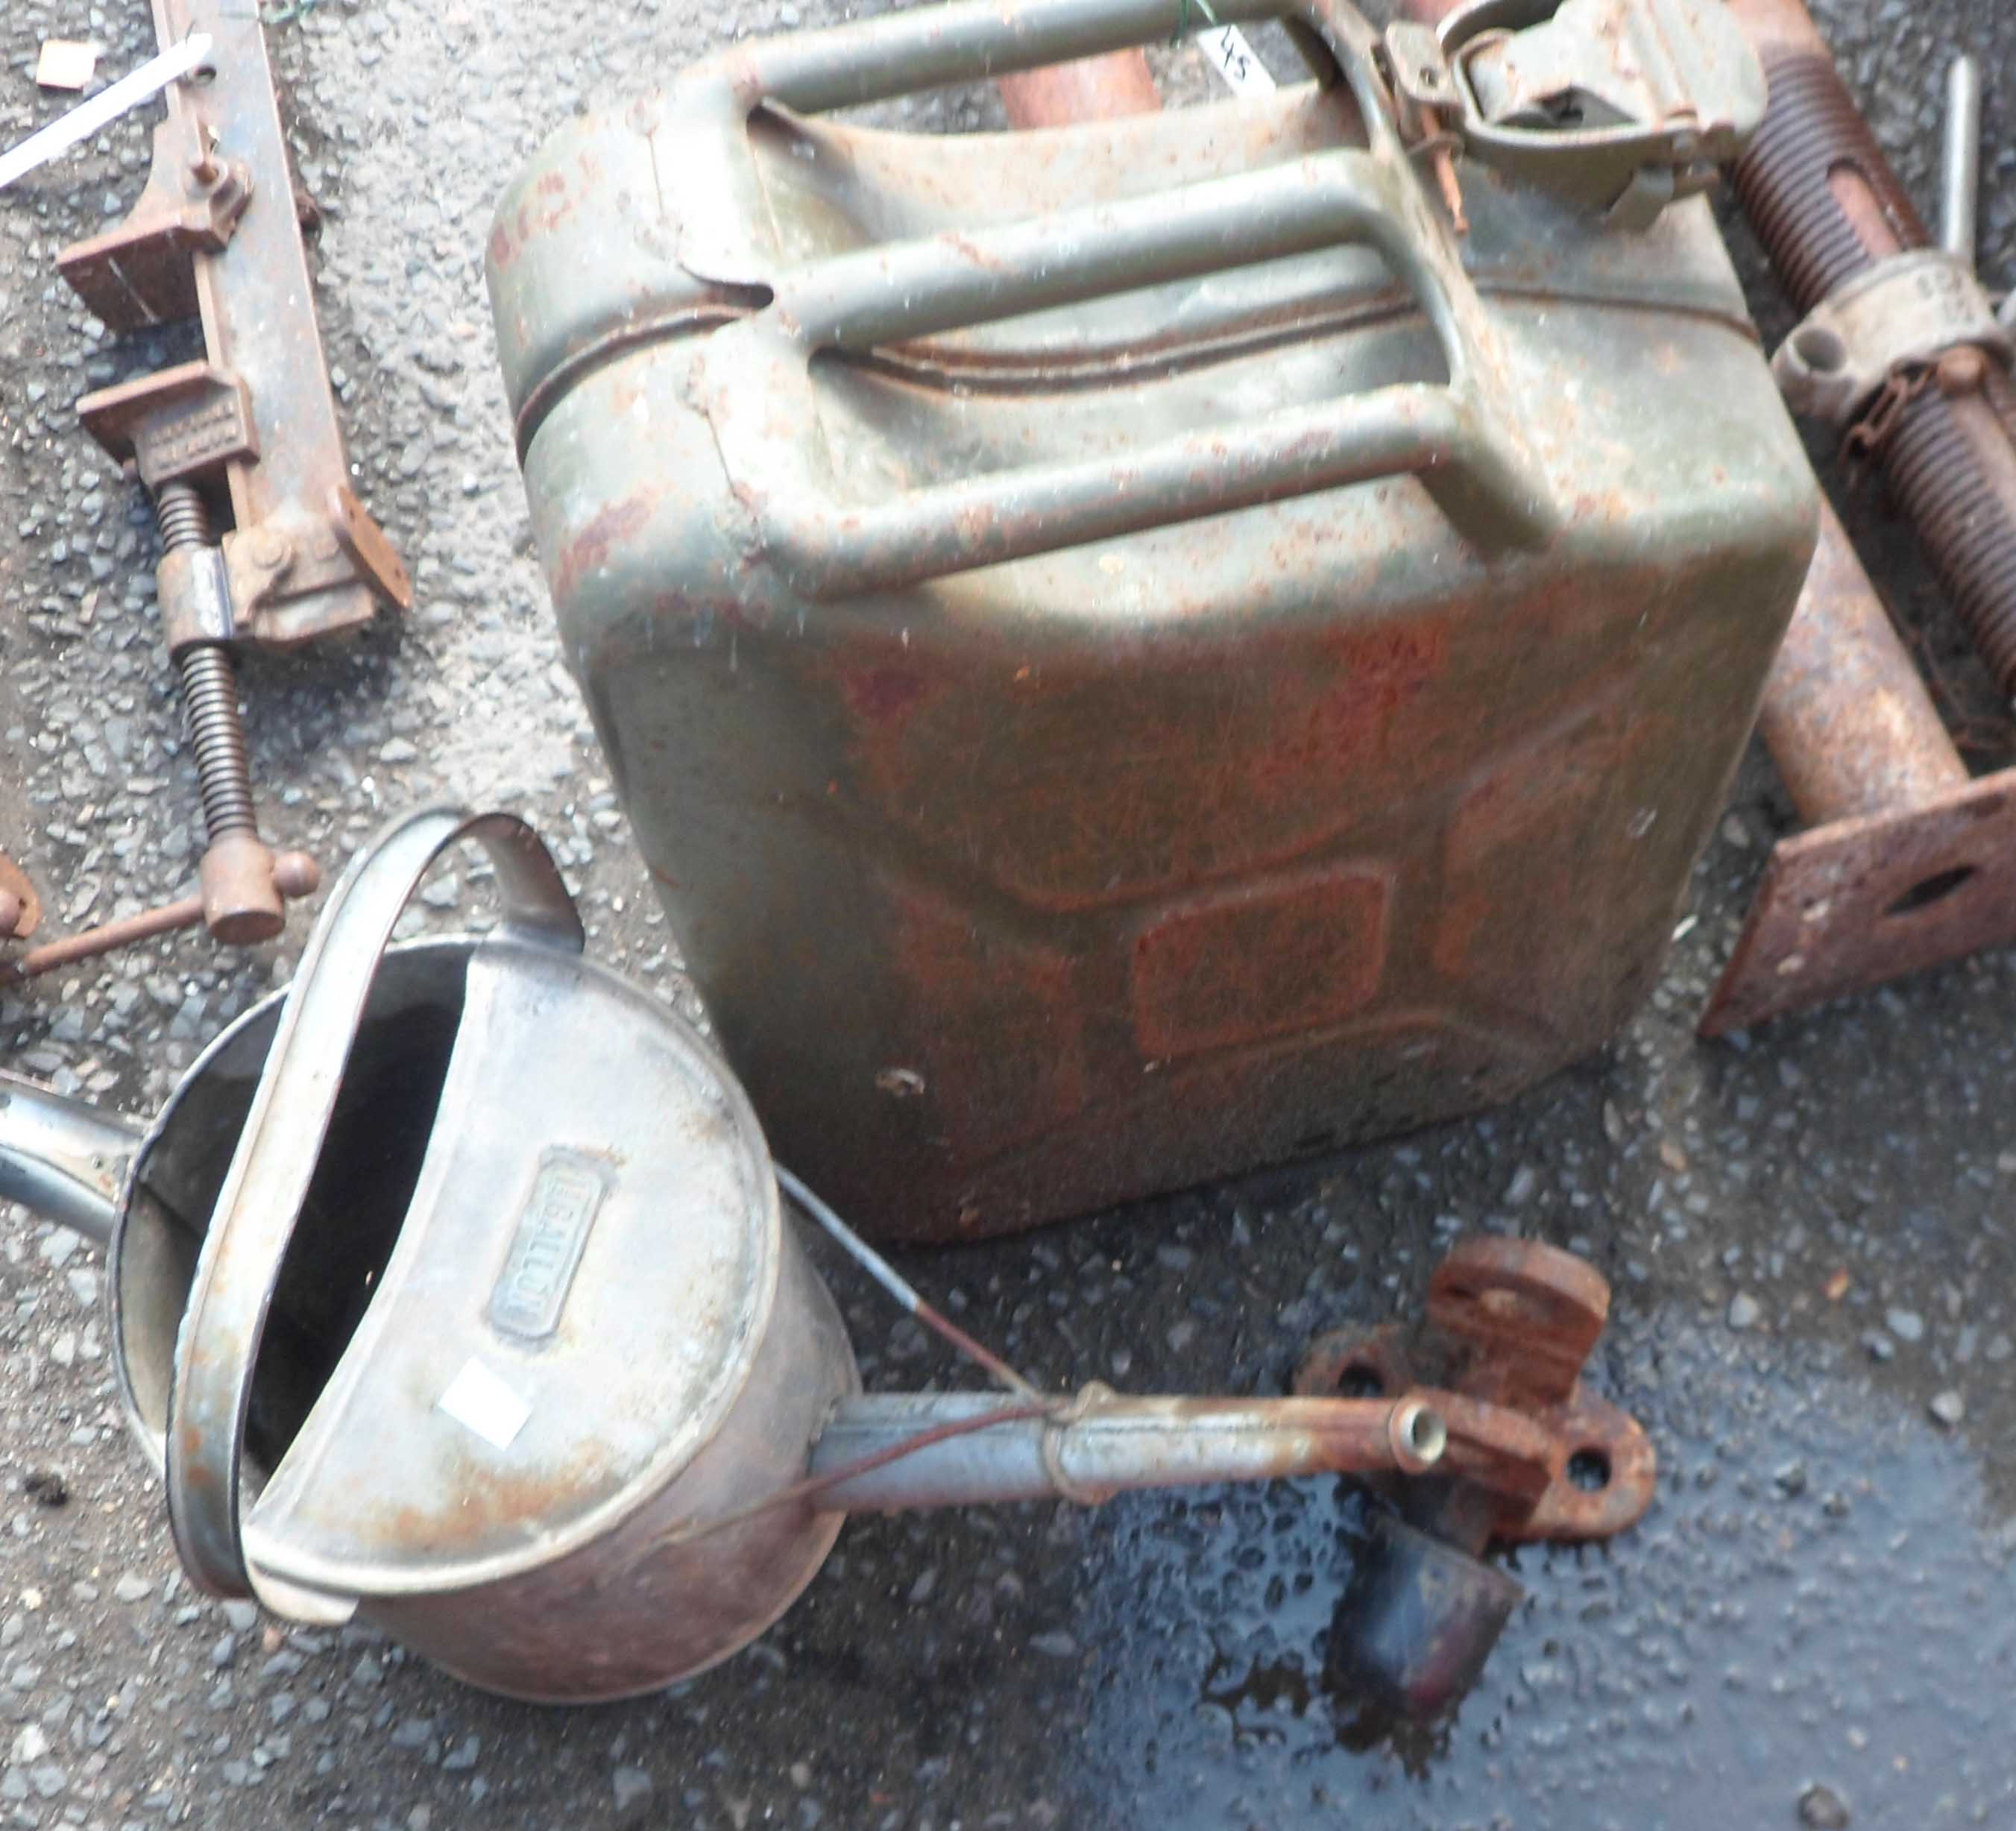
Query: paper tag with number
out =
(1232, 58)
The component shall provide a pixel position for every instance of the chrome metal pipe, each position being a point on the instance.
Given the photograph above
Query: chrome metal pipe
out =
(64, 1158)
(1101, 1442)
(1959, 169)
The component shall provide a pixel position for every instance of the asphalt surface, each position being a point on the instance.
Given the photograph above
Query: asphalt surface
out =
(1811, 1231)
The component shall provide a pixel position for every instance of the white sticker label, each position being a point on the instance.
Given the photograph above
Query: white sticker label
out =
(477, 1397)
(1232, 58)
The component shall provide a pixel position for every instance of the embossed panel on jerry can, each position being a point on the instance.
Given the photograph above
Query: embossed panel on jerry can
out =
(1134, 651)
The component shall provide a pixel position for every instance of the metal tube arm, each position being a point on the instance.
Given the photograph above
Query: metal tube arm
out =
(64, 1158)
(1100, 1443)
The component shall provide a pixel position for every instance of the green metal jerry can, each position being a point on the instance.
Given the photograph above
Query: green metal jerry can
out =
(1136, 650)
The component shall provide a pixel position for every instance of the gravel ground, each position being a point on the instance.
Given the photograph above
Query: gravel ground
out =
(1810, 1231)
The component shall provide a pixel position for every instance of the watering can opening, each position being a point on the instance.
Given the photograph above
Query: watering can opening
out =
(357, 1204)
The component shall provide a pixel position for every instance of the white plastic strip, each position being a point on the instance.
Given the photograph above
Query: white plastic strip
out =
(1232, 58)
(107, 105)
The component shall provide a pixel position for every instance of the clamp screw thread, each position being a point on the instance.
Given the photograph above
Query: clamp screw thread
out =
(210, 689)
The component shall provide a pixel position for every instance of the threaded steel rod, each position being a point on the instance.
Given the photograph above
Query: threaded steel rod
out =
(217, 735)
(185, 521)
(1827, 206)
(210, 689)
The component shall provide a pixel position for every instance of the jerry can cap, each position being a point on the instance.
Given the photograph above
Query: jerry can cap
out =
(588, 1255)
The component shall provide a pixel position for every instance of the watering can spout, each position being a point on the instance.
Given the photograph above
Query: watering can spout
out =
(65, 1159)
(881, 1451)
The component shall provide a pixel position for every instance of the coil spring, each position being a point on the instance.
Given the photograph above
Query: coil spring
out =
(1810, 131)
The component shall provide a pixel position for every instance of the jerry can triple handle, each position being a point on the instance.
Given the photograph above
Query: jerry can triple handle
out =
(1458, 438)
(1461, 439)
(703, 144)
(923, 47)
(276, 1154)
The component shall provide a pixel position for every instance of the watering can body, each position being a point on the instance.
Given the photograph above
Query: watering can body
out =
(1131, 651)
(539, 1303)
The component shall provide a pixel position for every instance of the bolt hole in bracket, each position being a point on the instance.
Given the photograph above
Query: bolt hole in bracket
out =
(1935, 889)
(1359, 1380)
(1589, 1470)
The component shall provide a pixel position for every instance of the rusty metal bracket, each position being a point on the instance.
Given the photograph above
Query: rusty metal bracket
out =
(1908, 863)
(1901, 315)
(216, 234)
(1531, 1454)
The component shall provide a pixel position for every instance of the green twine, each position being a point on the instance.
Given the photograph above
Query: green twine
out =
(280, 15)
(1183, 30)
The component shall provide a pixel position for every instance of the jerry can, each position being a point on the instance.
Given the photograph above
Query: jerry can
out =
(1136, 650)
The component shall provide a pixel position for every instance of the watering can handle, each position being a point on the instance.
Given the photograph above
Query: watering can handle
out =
(1461, 439)
(277, 1152)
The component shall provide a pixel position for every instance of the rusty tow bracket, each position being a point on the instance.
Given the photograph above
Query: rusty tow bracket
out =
(264, 544)
(1531, 1454)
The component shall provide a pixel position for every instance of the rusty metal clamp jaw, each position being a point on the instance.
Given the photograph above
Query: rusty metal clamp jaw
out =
(1895, 319)
(275, 1162)
(1621, 105)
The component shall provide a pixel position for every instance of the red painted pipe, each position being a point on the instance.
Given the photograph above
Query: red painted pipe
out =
(1092, 88)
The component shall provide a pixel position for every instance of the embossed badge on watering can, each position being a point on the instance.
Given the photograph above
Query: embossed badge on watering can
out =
(453, 1289)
